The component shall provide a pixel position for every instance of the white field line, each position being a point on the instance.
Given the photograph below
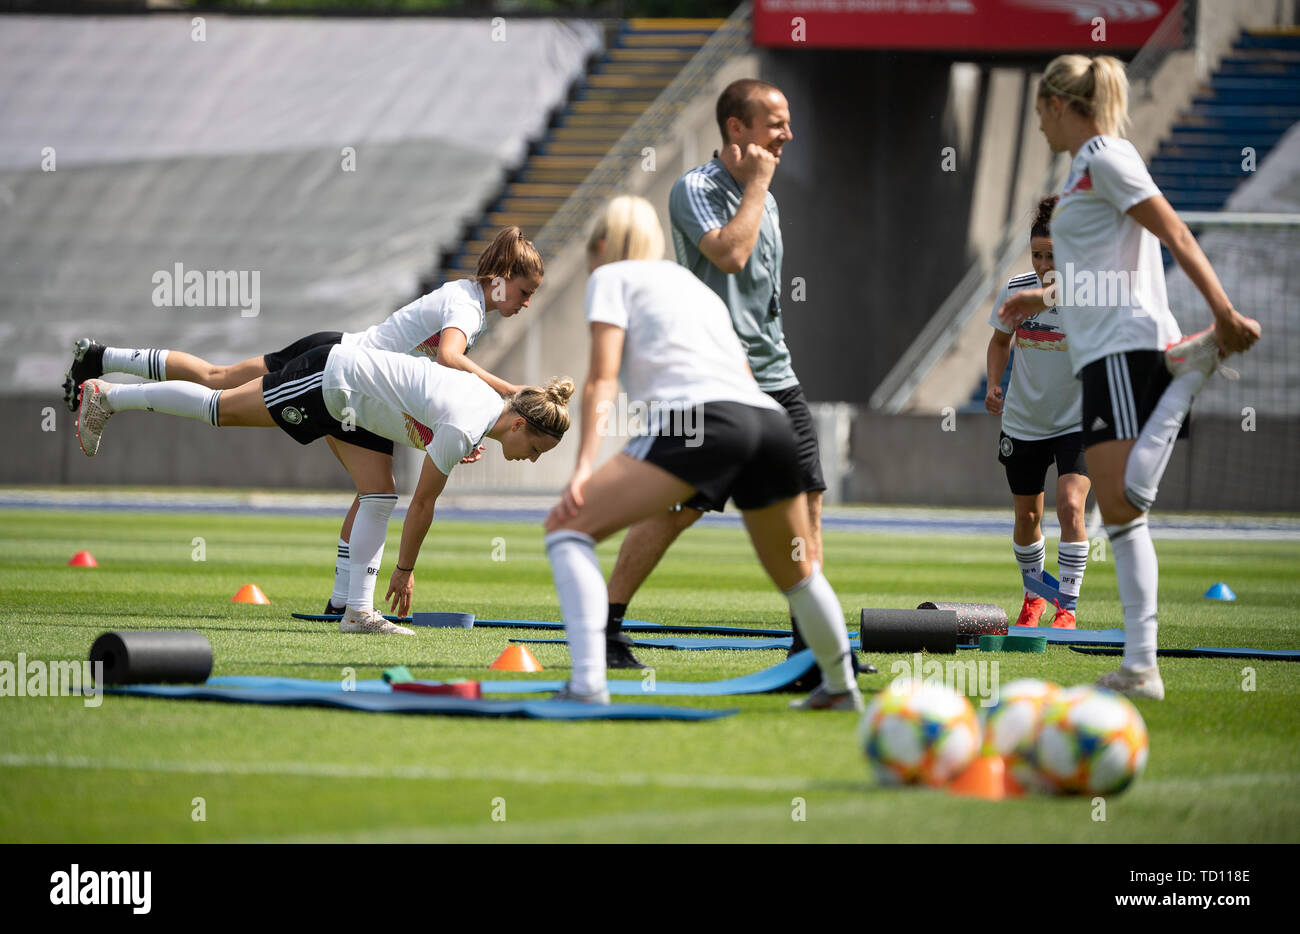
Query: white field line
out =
(516, 830)
(417, 773)
(342, 770)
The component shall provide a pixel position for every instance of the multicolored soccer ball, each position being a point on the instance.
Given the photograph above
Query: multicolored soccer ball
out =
(1091, 741)
(914, 732)
(1011, 727)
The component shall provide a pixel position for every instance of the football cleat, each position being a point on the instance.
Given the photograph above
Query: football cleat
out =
(822, 699)
(567, 693)
(1064, 619)
(371, 622)
(1197, 353)
(1031, 611)
(332, 610)
(87, 363)
(93, 416)
(1141, 684)
(618, 653)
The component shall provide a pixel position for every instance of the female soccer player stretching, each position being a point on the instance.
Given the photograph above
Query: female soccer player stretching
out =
(1138, 378)
(1040, 425)
(364, 400)
(441, 325)
(711, 430)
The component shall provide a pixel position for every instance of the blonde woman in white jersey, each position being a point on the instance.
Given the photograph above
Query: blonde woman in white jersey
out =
(1040, 427)
(442, 325)
(1138, 377)
(364, 400)
(712, 431)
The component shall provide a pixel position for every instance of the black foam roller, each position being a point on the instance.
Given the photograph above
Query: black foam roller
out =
(974, 619)
(909, 631)
(150, 656)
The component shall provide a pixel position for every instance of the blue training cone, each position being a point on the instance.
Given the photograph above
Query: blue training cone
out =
(1220, 591)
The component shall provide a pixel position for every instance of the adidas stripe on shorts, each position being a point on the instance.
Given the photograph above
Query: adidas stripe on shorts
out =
(296, 402)
(1119, 393)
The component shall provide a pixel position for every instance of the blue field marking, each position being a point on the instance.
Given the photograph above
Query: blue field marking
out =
(402, 702)
(902, 521)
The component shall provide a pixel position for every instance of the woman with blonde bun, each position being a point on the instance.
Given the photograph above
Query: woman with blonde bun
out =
(364, 400)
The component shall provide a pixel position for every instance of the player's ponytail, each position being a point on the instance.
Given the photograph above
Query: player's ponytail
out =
(546, 408)
(509, 255)
(1096, 88)
(630, 229)
(1042, 224)
(1110, 95)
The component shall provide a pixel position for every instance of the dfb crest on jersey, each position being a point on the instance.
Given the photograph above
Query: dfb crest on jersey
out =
(292, 415)
(1005, 446)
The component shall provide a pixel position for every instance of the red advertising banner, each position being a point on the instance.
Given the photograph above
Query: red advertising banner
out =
(988, 25)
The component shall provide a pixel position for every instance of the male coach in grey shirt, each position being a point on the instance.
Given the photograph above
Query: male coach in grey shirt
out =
(727, 231)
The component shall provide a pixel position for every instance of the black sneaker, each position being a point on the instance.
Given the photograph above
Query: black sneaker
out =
(87, 363)
(618, 653)
(811, 680)
(332, 610)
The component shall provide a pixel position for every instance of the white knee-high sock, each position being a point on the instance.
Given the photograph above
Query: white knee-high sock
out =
(817, 612)
(145, 362)
(1138, 576)
(188, 400)
(342, 575)
(1072, 560)
(1031, 558)
(367, 548)
(584, 600)
(1155, 445)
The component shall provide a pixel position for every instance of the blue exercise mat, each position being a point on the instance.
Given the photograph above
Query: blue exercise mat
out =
(694, 644)
(636, 625)
(1070, 636)
(1267, 655)
(770, 680)
(776, 678)
(1054, 636)
(335, 617)
(629, 625)
(684, 643)
(403, 702)
(264, 682)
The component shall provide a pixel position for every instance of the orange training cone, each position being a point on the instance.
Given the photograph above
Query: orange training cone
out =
(83, 559)
(984, 778)
(249, 593)
(516, 658)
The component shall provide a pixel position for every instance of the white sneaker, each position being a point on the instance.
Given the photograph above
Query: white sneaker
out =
(822, 699)
(567, 693)
(1142, 684)
(1197, 353)
(93, 415)
(371, 621)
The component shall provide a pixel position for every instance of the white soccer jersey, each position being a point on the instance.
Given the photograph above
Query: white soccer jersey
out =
(1043, 399)
(1112, 279)
(411, 401)
(417, 328)
(680, 346)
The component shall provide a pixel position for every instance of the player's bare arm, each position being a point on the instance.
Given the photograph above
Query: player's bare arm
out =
(730, 246)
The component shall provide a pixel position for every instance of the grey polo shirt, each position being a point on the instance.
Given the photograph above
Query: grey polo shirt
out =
(704, 199)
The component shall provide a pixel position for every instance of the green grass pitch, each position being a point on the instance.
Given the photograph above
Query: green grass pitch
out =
(1225, 761)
